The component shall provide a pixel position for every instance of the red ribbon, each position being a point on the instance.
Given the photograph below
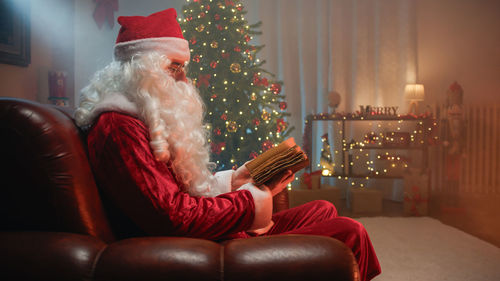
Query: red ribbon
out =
(308, 177)
(203, 80)
(415, 199)
(105, 11)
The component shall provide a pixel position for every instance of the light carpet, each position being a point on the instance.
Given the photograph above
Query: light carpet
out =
(424, 249)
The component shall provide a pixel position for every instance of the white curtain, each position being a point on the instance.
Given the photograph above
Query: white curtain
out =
(363, 49)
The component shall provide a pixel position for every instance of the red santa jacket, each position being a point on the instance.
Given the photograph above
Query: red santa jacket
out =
(137, 187)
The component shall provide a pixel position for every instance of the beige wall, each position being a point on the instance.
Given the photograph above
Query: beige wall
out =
(51, 49)
(459, 40)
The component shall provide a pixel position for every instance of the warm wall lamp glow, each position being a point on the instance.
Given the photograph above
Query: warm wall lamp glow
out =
(414, 93)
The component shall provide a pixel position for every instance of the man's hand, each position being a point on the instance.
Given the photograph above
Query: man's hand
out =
(280, 182)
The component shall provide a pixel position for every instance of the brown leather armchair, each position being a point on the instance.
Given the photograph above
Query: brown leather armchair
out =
(54, 226)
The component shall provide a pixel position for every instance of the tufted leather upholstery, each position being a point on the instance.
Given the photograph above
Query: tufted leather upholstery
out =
(53, 225)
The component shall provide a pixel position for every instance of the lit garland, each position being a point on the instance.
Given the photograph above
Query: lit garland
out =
(378, 152)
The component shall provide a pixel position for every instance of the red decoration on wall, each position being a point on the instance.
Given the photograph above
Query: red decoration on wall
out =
(105, 11)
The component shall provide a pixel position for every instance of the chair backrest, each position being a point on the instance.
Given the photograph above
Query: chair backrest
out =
(46, 180)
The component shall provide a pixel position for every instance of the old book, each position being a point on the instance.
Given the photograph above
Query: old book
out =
(286, 155)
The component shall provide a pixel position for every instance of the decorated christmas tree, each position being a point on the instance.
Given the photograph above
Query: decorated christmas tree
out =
(245, 106)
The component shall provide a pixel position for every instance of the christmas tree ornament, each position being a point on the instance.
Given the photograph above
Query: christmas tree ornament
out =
(202, 15)
(267, 144)
(192, 41)
(256, 122)
(217, 17)
(232, 126)
(225, 55)
(265, 115)
(217, 131)
(203, 80)
(213, 96)
(253, 96)
(333, 100)
(235, 67)
(283, 105)
(196, 58)
(237, 49)
(208, 7)
(200, 28)
(214, 44)
(253, 155)
(280, 125)
(275, 88)
(223, 116)
(247, 38)
(250, 57)
(220, 27)
(213, 64)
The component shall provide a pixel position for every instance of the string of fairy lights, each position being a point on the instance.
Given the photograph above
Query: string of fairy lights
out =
(381, 152)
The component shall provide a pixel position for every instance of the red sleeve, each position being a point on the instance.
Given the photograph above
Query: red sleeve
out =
(146, 191)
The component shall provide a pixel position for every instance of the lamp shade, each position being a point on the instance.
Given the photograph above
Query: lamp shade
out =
(414, 92)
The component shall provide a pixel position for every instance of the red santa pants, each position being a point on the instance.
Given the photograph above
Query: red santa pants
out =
(320, 218)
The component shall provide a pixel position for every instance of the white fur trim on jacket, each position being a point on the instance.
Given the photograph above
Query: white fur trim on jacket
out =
(174, 48)
(263, 200)
(113, 102)
(222, 183)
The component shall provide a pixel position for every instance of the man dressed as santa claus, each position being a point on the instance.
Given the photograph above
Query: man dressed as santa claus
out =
(147, 145)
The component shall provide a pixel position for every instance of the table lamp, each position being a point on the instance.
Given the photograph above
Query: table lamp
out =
(414, 93)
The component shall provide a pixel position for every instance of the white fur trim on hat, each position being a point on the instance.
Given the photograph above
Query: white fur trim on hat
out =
(173, 47)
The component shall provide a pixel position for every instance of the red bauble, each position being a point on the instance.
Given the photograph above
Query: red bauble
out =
(223, 116)
(196, 58)
(213, 96)
(192, 41)
(253, 155)
(207, 7)
(202, 14)
(247, 38)
(256, 122)
(275, 88)
(280, 125)
(217, 131)
(283, 105)
(213, 64)
(217, 17)
(219, 27)
(237, 49)
(267, 145)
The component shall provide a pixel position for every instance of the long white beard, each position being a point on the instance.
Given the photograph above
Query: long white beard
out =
(174, 114)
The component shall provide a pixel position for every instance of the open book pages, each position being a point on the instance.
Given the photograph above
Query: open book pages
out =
(286, 155)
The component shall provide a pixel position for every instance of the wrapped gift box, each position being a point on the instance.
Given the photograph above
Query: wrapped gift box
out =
(301, 196)
(365, 201)
(416, 194)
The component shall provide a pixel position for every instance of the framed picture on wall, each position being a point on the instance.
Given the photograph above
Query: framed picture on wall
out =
(15, 32)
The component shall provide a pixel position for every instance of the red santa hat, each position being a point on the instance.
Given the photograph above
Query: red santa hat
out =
(157, 32)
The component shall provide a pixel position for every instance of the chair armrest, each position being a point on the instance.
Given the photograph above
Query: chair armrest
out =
(67, 256)
(48, 255)
(289, 257)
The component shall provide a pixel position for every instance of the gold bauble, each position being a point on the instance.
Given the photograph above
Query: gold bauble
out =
(200, 28)
(214, 44)
(253, 97)
(265, 115)
(235, 67)
(231, 126)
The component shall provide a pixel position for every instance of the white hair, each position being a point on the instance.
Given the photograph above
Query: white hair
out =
(172, 111)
